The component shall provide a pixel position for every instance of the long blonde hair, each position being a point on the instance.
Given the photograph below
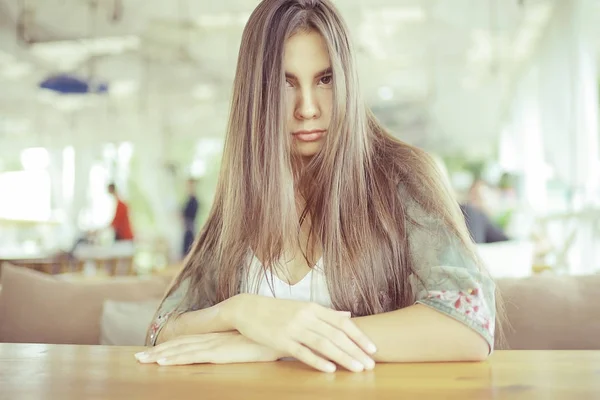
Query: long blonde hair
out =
(350, 187)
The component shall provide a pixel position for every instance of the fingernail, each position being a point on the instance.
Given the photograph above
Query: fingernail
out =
(162, 361)
(357, 366)
(330, 368)
(141, 356)
(369, 364)
(371, 348)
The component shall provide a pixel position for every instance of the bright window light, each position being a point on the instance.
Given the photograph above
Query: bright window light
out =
(36, 158)
(26, 195)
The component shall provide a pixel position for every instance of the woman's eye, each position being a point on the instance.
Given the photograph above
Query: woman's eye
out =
(327, 80)
(288, 84)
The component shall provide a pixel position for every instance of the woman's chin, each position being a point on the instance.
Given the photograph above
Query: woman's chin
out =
(308, 149)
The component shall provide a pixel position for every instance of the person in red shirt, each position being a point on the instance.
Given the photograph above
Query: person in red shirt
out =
(120, 222)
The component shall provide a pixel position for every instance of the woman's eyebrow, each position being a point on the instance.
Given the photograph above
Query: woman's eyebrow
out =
(326, 71)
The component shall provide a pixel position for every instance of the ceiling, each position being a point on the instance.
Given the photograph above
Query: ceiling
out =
(435, 71)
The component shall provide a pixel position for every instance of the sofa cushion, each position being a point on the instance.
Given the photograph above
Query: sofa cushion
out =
(38, 308)
(124, 323)
(551, 312)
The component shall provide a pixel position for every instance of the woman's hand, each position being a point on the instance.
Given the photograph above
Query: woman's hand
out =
(214, 348)
(308, 332)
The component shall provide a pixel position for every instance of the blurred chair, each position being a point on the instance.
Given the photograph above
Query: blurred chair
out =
(551, 312)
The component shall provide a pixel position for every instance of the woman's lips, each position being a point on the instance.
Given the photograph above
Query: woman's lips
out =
(309, 136)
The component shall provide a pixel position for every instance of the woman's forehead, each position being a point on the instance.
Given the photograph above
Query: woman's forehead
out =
(306, 53)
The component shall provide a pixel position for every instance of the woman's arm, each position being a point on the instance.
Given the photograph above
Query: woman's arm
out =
(210, 320)
(279, 327)
(273, 328)
(172, 321)
(421, 334)
(454, 314)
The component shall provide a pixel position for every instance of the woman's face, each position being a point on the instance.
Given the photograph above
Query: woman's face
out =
(309, 91)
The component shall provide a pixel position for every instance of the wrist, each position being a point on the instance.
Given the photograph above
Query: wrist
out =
(270, 354)
(229, 312)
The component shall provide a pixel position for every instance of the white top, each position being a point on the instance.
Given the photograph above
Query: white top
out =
(312, 288)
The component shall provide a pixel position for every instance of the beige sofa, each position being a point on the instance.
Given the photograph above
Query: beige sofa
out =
(543, 312)
(40, 308)
(552, 312)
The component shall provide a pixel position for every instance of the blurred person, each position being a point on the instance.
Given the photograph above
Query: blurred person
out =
(120, 222)
(120, 225)
(189, 213)
(476, 211)
(480, 196)
(481, 227)
(329, 240)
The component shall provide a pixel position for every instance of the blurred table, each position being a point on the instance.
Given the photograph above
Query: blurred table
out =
(48, 262)
(97, 372)
(116, 258)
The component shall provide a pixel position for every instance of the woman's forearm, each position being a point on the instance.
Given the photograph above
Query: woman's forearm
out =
(218, 318)
(421, 334)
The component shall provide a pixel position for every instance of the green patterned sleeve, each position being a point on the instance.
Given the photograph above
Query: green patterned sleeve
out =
(168, 307)
(448, 277)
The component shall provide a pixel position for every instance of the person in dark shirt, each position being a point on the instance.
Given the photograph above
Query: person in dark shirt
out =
(480, 225)
(189, 213)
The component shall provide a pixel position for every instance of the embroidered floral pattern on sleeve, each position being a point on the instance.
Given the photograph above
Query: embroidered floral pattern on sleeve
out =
(158, 323)
(165, 311)
(462, 293)
(469, 303)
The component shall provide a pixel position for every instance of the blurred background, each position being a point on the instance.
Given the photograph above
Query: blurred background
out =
(504, 93)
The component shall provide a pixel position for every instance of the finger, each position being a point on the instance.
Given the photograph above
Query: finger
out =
(170, 351)
(199, 356)
(219, 353)
(344, 313)
(303, 354)
(343, 342)
(325, 347)
(349, 328)
(150, 353)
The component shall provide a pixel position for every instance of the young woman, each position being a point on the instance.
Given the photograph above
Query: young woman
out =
(329, 241)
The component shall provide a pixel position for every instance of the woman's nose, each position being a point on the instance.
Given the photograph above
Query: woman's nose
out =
(307, 106)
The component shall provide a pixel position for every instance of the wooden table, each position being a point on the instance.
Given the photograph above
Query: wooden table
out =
(96, 372)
